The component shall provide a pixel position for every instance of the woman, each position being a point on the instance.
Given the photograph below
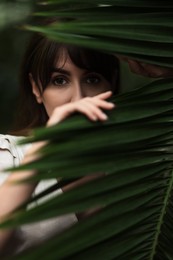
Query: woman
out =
(57, 80)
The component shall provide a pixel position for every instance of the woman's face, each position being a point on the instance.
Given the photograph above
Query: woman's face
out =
(68, 84)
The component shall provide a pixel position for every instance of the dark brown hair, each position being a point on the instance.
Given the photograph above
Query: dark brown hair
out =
(40, 58)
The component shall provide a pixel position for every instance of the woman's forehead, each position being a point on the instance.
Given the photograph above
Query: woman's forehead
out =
(61, 58)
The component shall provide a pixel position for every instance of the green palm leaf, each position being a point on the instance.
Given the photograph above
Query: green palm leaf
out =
(135, 196)
(137, 29)
(126, 3)
(133, 148)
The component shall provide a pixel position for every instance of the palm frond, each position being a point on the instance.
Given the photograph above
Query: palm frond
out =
(137, 29)
(133, 148)
(123, 3)
(135, 195)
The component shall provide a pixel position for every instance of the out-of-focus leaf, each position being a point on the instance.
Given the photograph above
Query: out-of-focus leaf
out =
(135, 150)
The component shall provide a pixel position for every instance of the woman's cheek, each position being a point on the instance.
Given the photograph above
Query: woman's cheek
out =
(53, 98)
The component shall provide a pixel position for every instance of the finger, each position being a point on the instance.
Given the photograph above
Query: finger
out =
(87, 106)
(61, 113)
(104, 95)
(102, 103)
(93, 110)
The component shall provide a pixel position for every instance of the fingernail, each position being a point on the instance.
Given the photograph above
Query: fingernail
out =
(104, 116)
(94, 118)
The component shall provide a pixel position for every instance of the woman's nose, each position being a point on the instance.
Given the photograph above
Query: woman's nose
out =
(78, 93)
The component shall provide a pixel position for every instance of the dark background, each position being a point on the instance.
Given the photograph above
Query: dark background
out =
(13, 15)
(12, 46)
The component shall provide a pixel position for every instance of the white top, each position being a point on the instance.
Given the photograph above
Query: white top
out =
(10, 155)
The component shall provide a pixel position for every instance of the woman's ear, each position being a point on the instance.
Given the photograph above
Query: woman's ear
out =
(35, 89)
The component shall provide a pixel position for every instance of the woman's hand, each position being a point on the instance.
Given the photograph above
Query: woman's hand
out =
(91, 107)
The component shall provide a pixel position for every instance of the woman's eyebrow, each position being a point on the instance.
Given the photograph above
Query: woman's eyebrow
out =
(63, 71)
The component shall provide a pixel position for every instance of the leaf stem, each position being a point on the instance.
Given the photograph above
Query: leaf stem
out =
(163, 212)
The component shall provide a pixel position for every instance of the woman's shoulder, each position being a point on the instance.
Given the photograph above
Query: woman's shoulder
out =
(7, 139)
(10, 150)
(11, 143)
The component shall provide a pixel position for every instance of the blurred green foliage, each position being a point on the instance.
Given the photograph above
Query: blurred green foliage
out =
(12, 43)
(14, 11)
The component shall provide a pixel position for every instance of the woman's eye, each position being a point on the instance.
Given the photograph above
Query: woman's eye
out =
(93, 79)
(59, 81)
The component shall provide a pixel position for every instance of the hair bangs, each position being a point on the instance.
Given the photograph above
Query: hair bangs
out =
(96, 61)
